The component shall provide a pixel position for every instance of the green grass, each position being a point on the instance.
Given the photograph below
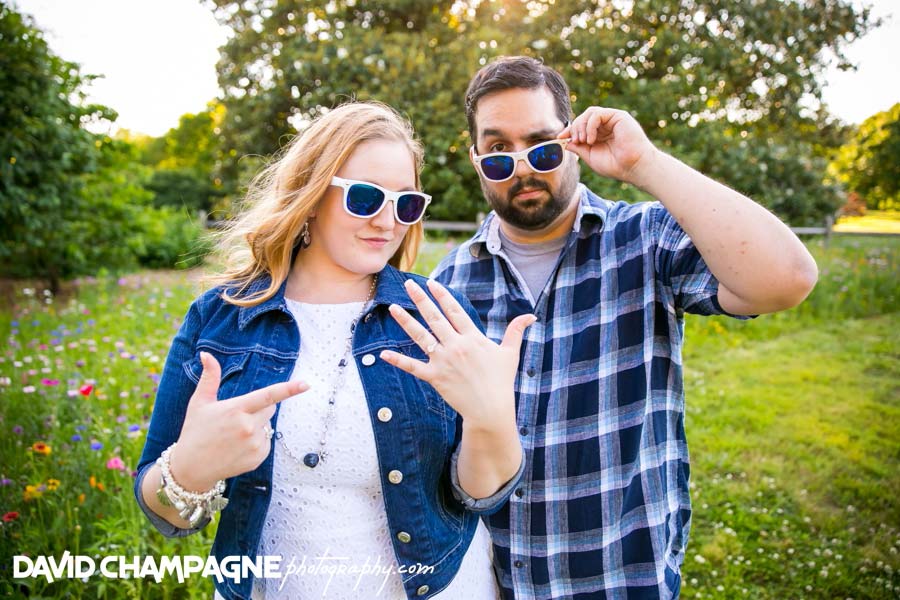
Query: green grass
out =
(794, 445)
(792, 421)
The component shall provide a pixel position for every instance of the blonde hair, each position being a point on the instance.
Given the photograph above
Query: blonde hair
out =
(261, 239)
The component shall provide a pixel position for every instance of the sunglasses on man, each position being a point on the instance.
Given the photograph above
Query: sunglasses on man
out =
(363, 199)
(542, 158)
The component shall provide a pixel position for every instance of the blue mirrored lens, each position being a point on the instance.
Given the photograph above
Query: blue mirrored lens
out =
(364, 200)
(546, 158)
(497, 167)
(410, 208)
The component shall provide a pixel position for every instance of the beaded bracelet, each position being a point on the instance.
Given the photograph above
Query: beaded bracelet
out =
(191, 506)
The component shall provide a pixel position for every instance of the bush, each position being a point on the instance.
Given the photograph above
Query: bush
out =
(169, 238)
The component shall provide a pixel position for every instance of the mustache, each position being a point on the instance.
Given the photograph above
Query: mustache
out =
(529, 183)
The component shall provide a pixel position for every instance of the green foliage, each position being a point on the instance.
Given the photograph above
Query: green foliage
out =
(170, 237)
(719, 83)
(71, 201)
(43, 154)
(870, 163)
(184, 162)
(182, 188)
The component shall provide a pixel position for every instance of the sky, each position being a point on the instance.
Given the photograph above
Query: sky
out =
(158, 58)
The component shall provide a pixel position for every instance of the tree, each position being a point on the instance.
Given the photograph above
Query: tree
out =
(184, 162)
(70, 201)
(730, 86)
(869, 164)
(44, 152)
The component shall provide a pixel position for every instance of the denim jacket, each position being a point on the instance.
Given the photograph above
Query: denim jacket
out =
(431, 520)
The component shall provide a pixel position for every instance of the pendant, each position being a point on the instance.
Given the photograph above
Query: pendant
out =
(311, 460)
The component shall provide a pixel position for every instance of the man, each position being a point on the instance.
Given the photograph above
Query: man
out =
(603, 510)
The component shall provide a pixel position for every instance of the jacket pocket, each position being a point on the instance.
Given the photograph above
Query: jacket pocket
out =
(451, 510)
(232, 364)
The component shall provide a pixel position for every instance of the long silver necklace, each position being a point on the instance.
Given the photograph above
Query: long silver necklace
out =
(311, 459)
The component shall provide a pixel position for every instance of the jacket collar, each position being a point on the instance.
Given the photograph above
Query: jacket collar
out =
(389, 290)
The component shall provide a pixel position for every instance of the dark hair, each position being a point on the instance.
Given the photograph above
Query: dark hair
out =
(511, 72)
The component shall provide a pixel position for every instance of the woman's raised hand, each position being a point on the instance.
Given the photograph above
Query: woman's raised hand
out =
(221, 439)
(473, 374)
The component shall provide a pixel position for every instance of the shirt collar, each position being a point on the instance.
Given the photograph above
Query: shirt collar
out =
(389, 290)
(590, 216)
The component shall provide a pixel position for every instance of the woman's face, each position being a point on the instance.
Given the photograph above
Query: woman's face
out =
(363, 245)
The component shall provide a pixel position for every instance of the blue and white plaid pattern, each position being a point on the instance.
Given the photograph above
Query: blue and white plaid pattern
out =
(603, 510)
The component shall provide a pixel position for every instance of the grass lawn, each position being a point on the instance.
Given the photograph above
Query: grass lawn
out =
(794, 446)
(793, 422)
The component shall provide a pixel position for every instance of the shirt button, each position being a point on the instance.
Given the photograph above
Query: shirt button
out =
(404, 537)
(530, 371)
(384, 414)
(519, 564)
(520, 492)
(368, 360)
(423, 589)
(524, 431)
(395, 476)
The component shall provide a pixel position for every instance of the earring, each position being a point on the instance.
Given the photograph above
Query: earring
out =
(304, 235)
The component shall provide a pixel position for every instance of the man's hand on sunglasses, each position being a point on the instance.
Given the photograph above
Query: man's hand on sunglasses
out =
(611, 143)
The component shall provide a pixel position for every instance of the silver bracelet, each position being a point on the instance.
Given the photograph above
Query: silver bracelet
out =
(191, 506)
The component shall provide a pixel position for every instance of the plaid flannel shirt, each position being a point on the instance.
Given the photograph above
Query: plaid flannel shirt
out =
(603, 510)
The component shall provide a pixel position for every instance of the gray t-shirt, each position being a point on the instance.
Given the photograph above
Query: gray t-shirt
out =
(534, 262)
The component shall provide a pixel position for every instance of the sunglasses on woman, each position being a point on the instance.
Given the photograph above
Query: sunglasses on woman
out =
(363, 199)
(542, 158)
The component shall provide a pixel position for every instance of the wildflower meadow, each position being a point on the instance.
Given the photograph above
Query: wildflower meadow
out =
(792, 421)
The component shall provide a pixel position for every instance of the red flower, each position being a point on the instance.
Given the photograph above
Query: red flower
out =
(10, 516)
(41, 448)
(86, 389)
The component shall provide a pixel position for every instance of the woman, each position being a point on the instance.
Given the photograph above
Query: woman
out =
(399, 411)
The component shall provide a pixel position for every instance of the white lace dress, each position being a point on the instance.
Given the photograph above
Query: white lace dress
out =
(330, 520)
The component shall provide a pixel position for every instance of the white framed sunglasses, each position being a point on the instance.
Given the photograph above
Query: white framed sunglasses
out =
(364, 200)
(542, 158)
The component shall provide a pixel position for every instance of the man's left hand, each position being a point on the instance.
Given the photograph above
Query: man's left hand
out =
(611, 142)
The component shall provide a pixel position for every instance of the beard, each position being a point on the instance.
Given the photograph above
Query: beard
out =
(536, 213)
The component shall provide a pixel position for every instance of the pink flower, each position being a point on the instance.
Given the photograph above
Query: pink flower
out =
(116, 464)
(47, 381)
(86, 389)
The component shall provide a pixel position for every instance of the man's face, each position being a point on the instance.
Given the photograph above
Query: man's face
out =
(512, 120)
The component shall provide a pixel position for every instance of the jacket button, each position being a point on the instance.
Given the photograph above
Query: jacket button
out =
(384, 414)
(368, 318)
(368, 360)
(404, 537)
(395, 476)
(423, 589)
